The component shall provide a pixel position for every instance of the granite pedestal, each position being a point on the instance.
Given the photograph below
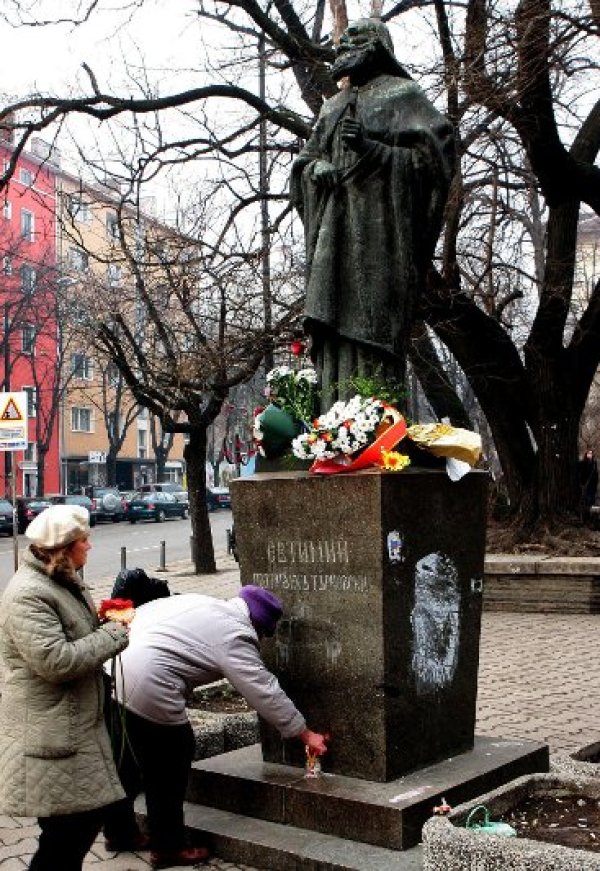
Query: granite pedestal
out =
(381, 578)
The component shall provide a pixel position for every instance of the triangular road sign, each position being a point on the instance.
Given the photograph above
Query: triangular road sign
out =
(11, 411)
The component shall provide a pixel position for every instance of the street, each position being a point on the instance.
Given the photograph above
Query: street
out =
(142, 543)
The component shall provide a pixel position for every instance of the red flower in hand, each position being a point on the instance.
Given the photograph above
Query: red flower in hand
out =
(121, 610)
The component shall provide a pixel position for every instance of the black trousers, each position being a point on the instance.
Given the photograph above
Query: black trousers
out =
(156, 759)
(65, 839)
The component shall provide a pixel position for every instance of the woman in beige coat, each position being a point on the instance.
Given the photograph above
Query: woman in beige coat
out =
(55, 754)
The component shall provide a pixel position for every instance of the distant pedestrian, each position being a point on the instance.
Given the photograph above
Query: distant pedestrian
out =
(55, 754)
(588, 481)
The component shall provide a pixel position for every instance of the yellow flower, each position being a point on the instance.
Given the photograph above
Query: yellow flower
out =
(393, 461)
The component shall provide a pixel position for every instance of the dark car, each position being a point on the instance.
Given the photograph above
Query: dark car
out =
(177, 490)
(6, 516)
(156, 506)
(108, 503)
(218, 497)
(29, 507)
(68, 499)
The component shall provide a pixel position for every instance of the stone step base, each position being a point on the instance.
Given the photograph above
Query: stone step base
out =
(388, 815)
(277, 847)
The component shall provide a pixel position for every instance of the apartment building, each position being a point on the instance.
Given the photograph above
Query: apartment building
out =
(29, 337)
(58, 249)
(99, 411)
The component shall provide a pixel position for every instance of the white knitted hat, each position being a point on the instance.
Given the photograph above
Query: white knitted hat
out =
(59, 525)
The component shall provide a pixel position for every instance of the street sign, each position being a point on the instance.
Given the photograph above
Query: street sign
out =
(13, 421)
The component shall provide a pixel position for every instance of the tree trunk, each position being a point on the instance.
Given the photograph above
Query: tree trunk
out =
(203, 554)
(41, 470)
(160, 458)
(111, 468)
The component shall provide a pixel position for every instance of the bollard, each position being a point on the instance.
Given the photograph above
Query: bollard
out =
(229, 547)
(162, 567)
(123, 558)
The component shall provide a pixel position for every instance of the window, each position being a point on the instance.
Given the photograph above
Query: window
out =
(142, 444)
(7, 266)
(7, 210)
(30, 454)
(28, 339)
(27, 225)
(79, 209)
(82, 366)
(26, 177)
(81, 419)
(114, 425)
(31, 401)
(115, 273)
(28, 279)
(112, 225)
(79, 259)
(112, 374)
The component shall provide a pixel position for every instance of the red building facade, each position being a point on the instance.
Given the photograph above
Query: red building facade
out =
(28, 301)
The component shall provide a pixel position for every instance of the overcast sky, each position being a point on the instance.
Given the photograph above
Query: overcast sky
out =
(165, 34)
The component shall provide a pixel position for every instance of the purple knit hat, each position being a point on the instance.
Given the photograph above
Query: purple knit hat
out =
(265, 608)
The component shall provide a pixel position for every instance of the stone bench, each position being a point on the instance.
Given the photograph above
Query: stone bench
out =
(545, 584)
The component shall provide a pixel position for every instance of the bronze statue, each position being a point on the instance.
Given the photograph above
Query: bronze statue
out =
(370, 186)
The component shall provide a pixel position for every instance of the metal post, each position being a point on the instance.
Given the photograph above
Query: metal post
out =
(163, 556)
(15, 523)
(123, 558)
(8, 458)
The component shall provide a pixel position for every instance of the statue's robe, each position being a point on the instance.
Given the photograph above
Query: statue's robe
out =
(369, 240)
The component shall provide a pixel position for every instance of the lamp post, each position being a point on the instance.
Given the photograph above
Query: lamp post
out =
(10, 477)
(6, 387)
(63, 282)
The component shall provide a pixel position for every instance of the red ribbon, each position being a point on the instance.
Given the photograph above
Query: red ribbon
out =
(371, 455)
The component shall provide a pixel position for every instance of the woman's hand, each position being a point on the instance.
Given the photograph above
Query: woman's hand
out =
(315, 742)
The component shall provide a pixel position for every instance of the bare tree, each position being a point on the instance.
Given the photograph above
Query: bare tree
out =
(520, 84)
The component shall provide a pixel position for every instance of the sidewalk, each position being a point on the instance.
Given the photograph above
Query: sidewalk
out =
(539, 679)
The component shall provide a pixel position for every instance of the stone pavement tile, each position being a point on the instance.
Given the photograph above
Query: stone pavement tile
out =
(26, 846)
(536, 682)
(14, 864)
(15, 834)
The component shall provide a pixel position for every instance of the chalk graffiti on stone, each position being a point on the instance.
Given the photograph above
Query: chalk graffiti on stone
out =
(435, 620)
(306, 643)
(326, 551)
(320, 583)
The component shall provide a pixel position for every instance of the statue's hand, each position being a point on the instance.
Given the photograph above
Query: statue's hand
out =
(324, 174)
(353, 135)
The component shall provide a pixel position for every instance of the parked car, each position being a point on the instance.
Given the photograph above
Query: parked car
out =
(218, 497)
(178, 490)
(108, 503)
(127, 495)
(74, 499)
(6, 516)
(156, 506)
(29, 507)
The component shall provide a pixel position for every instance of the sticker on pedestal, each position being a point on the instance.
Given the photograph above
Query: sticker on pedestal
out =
(395, 547)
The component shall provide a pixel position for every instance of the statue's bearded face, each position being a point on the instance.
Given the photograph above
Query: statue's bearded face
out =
(358, 49)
